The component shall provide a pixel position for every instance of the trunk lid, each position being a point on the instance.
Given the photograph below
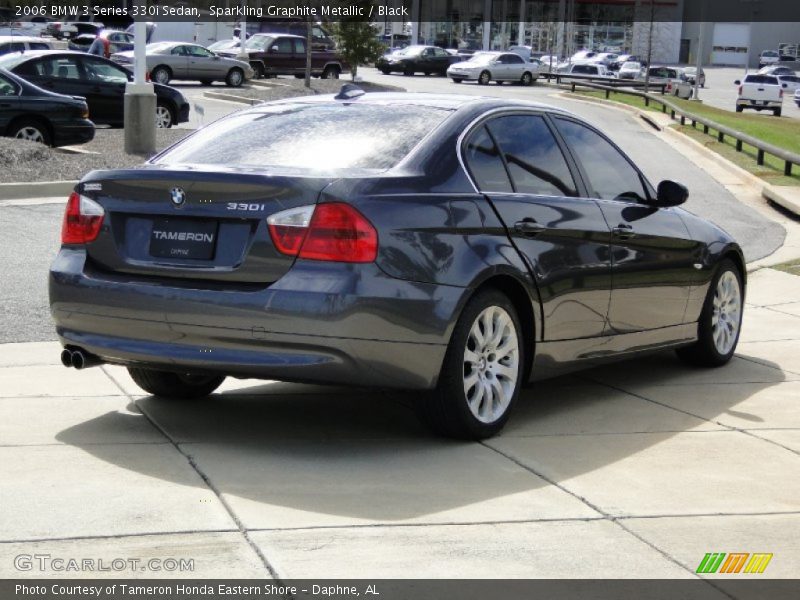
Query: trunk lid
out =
(185, 224)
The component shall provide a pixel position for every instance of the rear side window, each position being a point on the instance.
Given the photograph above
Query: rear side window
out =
(320, 137)
(610, 175)
(534, 160)
(485, 164)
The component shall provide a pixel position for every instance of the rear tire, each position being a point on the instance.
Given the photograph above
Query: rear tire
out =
(484, 78)
(175, 385)
(482, 372)
(31, 130)
(164, 116)
(161, 75)
(527, 79)
(777, 112)
(330, 72)
(720, 321)
(739, 109)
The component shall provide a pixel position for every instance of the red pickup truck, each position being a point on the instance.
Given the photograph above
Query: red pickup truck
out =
(273, 54)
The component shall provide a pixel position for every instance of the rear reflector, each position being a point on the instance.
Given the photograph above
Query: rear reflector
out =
(332, 231)
(82, 220)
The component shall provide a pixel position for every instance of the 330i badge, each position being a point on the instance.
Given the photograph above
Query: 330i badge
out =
(452, 245)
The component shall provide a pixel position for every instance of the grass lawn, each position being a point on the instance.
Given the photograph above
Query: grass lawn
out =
(782, 132)
(792, 267)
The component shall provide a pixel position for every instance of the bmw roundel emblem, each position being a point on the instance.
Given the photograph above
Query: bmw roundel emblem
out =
(178, 196)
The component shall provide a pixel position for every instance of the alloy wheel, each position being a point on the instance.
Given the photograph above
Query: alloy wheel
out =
(727, 312)
(163, 117)
(491, 364)
(30, 133)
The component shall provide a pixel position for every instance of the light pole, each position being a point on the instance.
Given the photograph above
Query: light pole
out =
(140, 100)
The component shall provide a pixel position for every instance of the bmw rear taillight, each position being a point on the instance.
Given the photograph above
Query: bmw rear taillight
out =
(333, 231)
(82, 220)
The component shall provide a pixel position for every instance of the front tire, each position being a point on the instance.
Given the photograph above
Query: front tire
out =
(527, 79)
(175, 385)
(457, 80)
(720, 321)
(234, 78)
(482, 372)
(484, 78)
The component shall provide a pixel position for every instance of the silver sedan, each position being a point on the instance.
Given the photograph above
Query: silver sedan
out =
(484, 67)
(179, 60)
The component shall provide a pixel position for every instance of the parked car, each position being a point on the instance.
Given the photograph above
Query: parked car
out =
(456, 246)
(593, 70)
(789, 83)
(630, 70)
(417, 59)
(321, 39)
(177, 60)
(672, 79)
(768, 57)
(99, 80)
(605, 58)
(499, 67)
(274, 54)
(230, 44)
(760, 92)
(775, 71)
(527, 53)
(621, 59)
(32, 25)
(9, 43)
(109, 42)
(31, 113)
(549, 62)
(69, 29)
(690, 75)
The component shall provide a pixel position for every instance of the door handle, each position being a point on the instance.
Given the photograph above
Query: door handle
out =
(528, 227)
(623, 231)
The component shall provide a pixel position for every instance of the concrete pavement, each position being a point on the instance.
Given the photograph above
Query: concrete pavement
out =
(634, 470)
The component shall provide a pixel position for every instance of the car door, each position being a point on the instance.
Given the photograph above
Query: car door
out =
(281, 56)
(203, 64)
(517, 163)
(106, 83)
(9, 101)
(58, 73)
(652, 255)
(178, 61)
(299, 57)
(514, 66)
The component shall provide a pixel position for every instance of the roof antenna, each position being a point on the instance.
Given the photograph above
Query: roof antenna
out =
(349, 91)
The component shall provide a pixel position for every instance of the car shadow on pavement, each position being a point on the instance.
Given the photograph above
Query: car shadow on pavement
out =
(334, 456)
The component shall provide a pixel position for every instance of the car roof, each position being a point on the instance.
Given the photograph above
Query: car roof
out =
(446, 101)
(277, 34)
(38, 53)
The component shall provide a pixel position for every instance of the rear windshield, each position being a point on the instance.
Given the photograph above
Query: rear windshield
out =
(765, 79)
(320, 137)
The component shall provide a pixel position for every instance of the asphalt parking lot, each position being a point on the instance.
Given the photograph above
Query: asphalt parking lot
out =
(635, 470)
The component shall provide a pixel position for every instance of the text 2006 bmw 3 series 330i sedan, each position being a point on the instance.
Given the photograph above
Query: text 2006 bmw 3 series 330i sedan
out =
(458, 247)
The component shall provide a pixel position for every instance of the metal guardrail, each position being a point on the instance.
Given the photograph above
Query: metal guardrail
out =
(561, 78)
(762, 147)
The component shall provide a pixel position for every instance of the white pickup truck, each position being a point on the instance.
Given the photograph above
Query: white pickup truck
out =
(760, 92)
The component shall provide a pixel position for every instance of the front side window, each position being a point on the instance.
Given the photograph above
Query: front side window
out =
(610, 175)
(103, 72)
(485, 163)
(282, 46)
(198, 52)
(319, 137)
(535, 162)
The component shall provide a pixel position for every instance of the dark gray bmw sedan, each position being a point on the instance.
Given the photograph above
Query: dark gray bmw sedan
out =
(454, 245)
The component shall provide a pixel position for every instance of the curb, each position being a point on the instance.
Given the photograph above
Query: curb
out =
(36, 189)
(774, 194)
(232, 98)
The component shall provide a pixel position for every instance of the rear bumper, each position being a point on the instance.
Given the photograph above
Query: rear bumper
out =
(80, 133)
(758, 103)
(183, 112)
(328, 323)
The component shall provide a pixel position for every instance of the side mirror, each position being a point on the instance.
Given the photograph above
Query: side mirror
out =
(737, 82)
(273, 49)
(671, 193)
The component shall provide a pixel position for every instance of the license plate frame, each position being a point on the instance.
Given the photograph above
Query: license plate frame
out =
(181, 238)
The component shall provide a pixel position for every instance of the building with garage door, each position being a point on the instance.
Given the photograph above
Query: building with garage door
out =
(738, 44)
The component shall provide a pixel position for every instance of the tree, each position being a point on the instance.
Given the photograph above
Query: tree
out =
(356, 38)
